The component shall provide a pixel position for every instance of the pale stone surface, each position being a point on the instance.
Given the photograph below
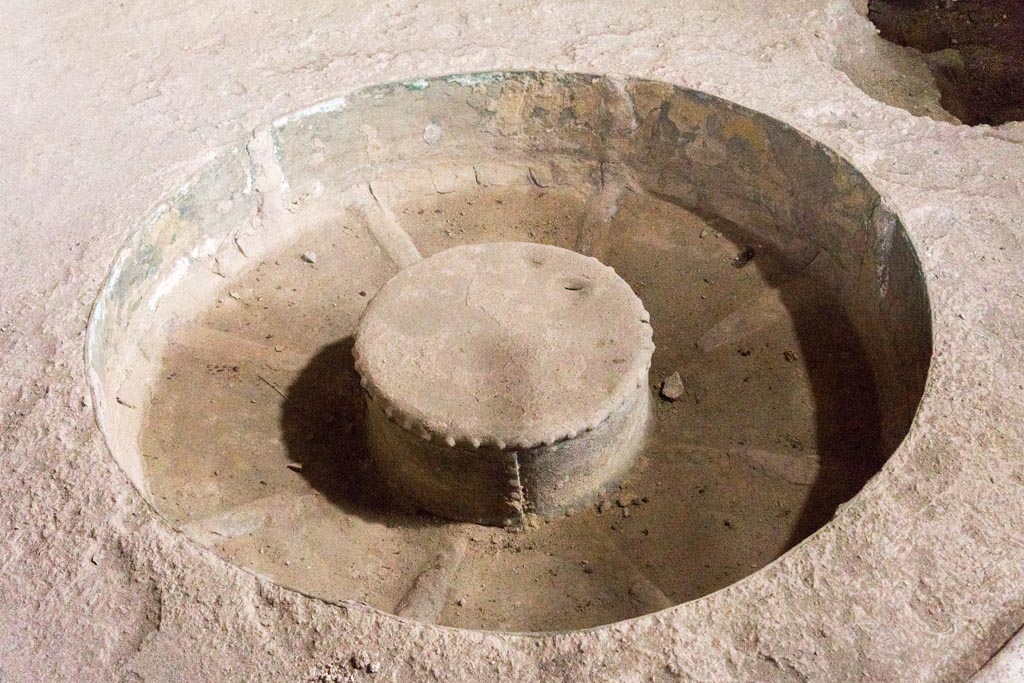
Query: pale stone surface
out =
(110, 107)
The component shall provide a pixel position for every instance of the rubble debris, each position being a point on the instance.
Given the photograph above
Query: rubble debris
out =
(672, 387)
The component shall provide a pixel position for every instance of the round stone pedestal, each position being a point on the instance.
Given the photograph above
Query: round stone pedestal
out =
(503, 379)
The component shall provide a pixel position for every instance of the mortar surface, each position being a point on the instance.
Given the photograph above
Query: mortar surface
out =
(111, 107)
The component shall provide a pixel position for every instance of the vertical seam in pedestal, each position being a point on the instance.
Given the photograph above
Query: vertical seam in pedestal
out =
(518, 497)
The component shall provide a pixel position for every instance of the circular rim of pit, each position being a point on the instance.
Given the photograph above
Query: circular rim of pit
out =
(772, 572)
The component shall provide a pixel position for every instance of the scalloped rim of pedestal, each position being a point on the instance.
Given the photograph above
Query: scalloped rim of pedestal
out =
(414, 420)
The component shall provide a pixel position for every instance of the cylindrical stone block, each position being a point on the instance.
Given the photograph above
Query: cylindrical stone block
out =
(503, 379)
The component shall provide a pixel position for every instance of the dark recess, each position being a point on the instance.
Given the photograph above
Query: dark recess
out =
(975, 49)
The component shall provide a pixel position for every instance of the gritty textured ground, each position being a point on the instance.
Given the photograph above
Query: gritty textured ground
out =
(108, 107)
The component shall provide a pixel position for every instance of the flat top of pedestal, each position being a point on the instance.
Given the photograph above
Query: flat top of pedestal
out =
(509, 344)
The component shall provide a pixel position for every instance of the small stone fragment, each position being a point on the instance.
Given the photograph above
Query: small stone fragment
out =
(541, 176)
(703, 234)
(532, 520)
(672, 387)
(432, 133)
(235, 295)
(309, 257)
(789, 356)
(444, 180)
(294, 466)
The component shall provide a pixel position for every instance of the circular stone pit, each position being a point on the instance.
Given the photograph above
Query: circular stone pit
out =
(782, 289)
